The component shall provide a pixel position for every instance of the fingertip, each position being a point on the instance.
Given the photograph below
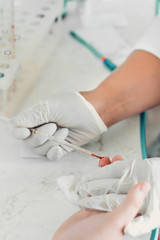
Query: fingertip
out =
(139, 191)
(48, 129)
(137, 194)
(104, 161)
(117, 158)
(21, 133)
(55, 153)
(61, 133)
(40, 134)
(131, 205)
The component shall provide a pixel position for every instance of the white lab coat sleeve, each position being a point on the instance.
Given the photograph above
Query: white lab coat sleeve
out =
(150, 41)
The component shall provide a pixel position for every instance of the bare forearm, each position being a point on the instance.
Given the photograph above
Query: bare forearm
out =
(132, 88)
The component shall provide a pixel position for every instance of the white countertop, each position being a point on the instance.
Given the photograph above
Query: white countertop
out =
(31, 203)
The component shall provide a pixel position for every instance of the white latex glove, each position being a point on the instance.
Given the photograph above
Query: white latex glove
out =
(70, 116)
(107, 187)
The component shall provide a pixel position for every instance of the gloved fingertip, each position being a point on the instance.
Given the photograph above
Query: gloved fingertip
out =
(61, 133)
(21, 133)
(64, 131)
(40, 134)
(55, 153)
(48, 129)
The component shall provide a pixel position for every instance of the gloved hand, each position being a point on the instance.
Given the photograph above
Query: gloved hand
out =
(67, 116)
(107, 187)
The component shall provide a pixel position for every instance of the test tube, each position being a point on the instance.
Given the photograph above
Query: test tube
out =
(12, 26)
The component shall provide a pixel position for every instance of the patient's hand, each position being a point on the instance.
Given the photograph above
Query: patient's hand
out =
(99, 225)
(105, 160)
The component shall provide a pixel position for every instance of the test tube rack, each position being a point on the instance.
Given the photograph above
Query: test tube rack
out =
(26, 28)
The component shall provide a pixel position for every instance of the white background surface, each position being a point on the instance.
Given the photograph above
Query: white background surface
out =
(31, 204)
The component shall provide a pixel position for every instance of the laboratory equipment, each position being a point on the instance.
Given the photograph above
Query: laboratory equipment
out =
(157, 7)
(107, 62)
(64, 11)
(25, 29)
(73, 146)
(155, 231)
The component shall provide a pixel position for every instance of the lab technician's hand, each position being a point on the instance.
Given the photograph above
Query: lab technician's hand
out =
(66, 116)
(98, 225)
(107, 187)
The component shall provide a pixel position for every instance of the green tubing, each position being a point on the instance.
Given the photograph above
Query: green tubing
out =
(143, 134)
(64, 11)
(157, 7)
(87, 45)
(64, 14)
(107, 62)
(154, 235)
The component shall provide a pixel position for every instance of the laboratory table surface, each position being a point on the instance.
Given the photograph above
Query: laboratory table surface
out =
(32, 206)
